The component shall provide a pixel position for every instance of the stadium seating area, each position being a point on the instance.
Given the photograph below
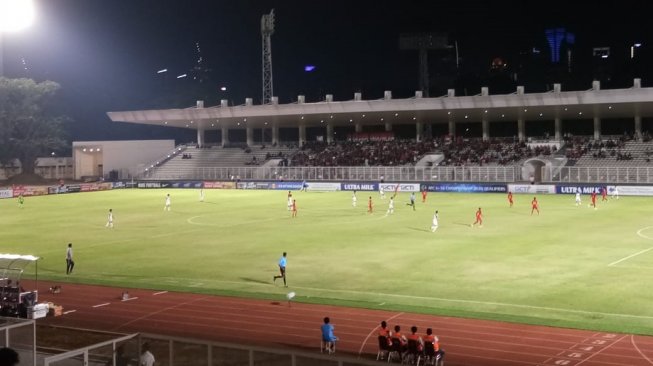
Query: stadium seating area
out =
(493, 152)
(621, 151)
(359, 153)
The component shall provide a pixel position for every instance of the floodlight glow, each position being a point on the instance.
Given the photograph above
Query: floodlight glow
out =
(224, 88)
(16, 15)
(181, 76)
(309, 68)
(637, 45)
(162, 71)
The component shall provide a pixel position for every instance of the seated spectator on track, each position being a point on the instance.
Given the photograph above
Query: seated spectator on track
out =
(385, 332)
(147, 358)
(400, 337)
(8, 357)
(413, 336)
(327, 332)
(433, 340)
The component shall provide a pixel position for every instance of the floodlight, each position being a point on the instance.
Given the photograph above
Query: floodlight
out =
(16, 15)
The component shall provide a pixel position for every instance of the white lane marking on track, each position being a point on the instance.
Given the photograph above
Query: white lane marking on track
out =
(602, 349)
(632, 341)
(639, 233)
(69, 311)
(372, 332)
(159, 293)
(161, 311)
(129, 299)
(101, 305)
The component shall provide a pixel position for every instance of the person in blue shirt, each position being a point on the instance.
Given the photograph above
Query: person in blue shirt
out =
(282, 269)
(327, 333)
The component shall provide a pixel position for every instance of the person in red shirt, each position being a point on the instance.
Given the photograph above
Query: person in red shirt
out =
(294, 208)
(604, 194)
(402, 339)
(413, 336)
(385, 332)
(510, 198)
(594, 200)
(479, 218)
(424, 192)
(534, 206)
(369, 205)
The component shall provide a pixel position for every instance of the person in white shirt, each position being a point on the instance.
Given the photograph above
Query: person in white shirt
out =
(353, 199)
(434, 224)
(391, 206)
(70, 264)
(110, 219)
(381, 192)
(201, 195)
(615, 193)
(147, 358)
(167, 206)
(577, 198)
(289, 203)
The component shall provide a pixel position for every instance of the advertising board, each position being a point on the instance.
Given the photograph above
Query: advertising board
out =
(6, 193)
(399, 187)
(323, 186)
(359, 186)
(219, 185)
(631, 190)
(579, 188)
(465, 187)
(532, 188)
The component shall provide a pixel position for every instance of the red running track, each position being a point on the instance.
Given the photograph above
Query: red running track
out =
(467, 342)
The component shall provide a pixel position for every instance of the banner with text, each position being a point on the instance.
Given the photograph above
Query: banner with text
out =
(631, 190)
(399, 187)
(6, 193)
(186, 185)
(287, 186)
(359, 186)
(29, 190)
(371, 136)
(465, 188)
(532, 188)
(219, 185)
(579, 188)
(323, 186)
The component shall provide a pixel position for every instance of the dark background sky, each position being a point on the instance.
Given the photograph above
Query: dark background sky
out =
(105, 53)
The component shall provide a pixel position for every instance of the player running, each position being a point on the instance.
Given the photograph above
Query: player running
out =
(294, 208)
(167, 205)
(391, 206)
(535, 206)
(370, 206)
(201, 194)
(615, 193)
(381, 192)
(353, 199)
(604, 194)
(578, 203)
(424, 193)
(110, 219)
(510, 198)
(289, 201)
(21, 200)
(593, 204)
(412, 200)
(434, 224)
(479, 218)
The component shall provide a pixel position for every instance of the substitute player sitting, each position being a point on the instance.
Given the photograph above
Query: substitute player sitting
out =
(479, 218)
(534, 206)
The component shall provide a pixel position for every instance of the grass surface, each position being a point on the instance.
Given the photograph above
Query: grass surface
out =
(550, 269)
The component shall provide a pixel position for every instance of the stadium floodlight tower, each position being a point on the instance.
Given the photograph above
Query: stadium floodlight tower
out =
(15, 15)
(267, 29)
(423, 42)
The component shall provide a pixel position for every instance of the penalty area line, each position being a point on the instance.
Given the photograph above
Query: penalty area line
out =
(630, 256)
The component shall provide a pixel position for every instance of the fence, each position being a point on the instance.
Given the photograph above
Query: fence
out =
(175, 351)
(20, 335)
(621, 175)
(389, 174)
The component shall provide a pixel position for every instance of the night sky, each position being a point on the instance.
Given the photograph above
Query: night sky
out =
(105, 53)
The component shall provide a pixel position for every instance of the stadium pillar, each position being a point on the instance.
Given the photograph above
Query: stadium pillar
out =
(452, 128)
(485, 124)
(200, 137)
(275, 135)
(558, 128)
(418, 131)
(329, 129)
(358, 127)
(597, 128)
(249, 133)
(302, 135)
(225, 136)
(521, 129)
(638, 127)
(388, 127)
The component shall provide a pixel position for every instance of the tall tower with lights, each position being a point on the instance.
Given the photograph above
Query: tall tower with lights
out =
(267, 29)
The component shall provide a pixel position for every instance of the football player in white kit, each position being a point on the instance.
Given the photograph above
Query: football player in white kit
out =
(289, 201)
(110, 219)
(381, 192)
(577, 198)
(391, 206)
(201, 195)
(434, 224)
(353, 199)
(615, 193)
(167, 206)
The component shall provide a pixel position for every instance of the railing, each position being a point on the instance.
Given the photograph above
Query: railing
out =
(619, 175)
(389, 174)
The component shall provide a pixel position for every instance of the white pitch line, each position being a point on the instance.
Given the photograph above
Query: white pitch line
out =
(159, 293)
(100, 305)
(69, 311)
(129, 299)
(372, 332)
(632, 341)
(630, 256)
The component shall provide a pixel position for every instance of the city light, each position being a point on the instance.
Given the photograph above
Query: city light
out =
(16, 15)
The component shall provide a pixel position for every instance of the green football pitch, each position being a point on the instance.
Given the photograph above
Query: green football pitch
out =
(570, 266)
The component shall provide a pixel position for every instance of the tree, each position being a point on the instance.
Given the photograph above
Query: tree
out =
(29, 125)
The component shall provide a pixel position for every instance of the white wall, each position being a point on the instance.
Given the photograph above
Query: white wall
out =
(128, 156)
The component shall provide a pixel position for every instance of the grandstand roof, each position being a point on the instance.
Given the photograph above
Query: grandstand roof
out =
(570, 105)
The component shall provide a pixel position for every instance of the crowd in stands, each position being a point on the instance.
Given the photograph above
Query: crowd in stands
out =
(359, 153)
(497, 151)
(186, 156)
(578, 147)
